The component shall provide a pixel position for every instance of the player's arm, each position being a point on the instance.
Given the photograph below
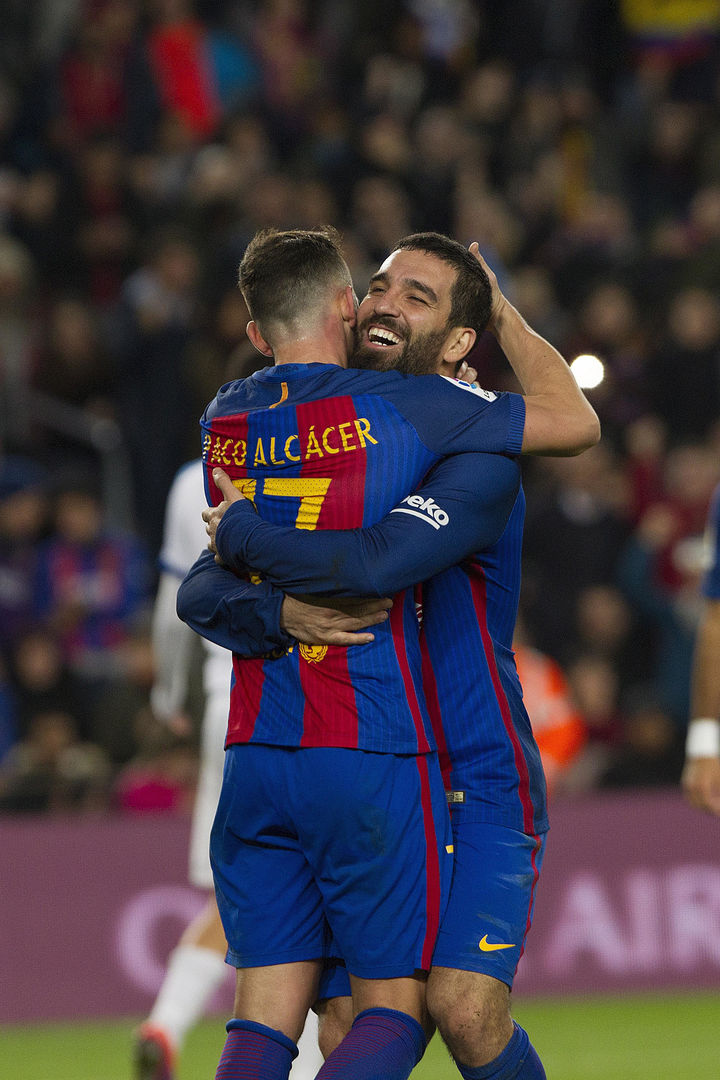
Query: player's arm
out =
(256, 619)
(701, 775)
(231, 611)
(462, 507)
(559, 419)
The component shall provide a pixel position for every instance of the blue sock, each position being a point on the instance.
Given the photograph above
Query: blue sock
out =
(518, 1061)
(255, 1052)
(382, 1044)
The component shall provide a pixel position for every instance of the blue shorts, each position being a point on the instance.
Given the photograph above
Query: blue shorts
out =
(492, 898)
(490, 908)
(318, 851)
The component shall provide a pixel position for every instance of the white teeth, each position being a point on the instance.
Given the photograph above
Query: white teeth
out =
(380, 336)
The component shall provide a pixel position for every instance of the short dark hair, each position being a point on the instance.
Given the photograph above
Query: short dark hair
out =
(284, 275)
(471, 295)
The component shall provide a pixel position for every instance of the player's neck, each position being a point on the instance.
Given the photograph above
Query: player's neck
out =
(314, 355)
(327, 344)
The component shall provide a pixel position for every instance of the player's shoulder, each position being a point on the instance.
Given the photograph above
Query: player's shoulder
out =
(439, 398)
(235, 396)
(471, 388)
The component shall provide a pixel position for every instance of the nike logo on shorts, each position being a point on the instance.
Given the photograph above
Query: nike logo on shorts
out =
(485, 946)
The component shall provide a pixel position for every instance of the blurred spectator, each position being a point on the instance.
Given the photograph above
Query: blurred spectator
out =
(97, 211)
(51, 769)
(161, 779)
(198, 70)
(595, 688)
(92, 586)
(17, 338)
(606, 627)
(686, 365)
(8, 713)
(291, 56)
(611, 328)
(660, 570)
(574, 534)
(650, 752)
(23, 519)
(645, 449)
(36, 220)
(44, 683)
(94, 83)
(73, 365)
(556, 722)
(155, 326)
(120, 707)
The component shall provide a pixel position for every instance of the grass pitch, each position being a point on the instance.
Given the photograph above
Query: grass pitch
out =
(663, 1037)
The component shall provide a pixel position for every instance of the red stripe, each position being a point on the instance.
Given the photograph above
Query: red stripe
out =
(479, 594)
(344, 459)
(227, 447)
(432, 866)
(433, 706)
(536, 875)
(330, 717)
(245, 698)
(397, 625)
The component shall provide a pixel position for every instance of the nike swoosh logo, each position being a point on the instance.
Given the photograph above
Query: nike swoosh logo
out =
(485, 945)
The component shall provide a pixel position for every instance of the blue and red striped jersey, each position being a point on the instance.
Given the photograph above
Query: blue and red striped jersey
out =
(487, 750)
(468, 503)
(320, 447)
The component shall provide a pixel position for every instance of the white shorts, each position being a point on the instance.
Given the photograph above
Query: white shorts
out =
(212, 759)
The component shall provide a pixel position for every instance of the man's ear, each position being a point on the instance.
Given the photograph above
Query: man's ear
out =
(458, 345)
(348, 305)
(257, 339)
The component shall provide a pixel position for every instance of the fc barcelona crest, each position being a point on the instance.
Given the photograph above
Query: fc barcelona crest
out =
(313, 653)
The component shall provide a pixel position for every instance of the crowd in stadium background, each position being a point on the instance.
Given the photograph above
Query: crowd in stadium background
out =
(142, 145)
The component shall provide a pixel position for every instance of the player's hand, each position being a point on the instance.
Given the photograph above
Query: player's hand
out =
(214, 514)
(498, 300)
(701, 783)
(466, 374)
(325, 621)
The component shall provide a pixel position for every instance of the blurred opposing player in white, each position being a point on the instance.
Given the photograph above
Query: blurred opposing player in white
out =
(197, 965)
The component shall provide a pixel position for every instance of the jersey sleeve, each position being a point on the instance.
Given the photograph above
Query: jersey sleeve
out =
(462, 507)
(711, 581)
(452, 417)
(234, 613)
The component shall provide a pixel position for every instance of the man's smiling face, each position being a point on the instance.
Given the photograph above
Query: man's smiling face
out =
(403, 322)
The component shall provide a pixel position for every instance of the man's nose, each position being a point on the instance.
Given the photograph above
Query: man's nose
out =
(387, 303)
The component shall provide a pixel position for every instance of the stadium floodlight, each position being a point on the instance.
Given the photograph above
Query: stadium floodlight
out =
(589, 371)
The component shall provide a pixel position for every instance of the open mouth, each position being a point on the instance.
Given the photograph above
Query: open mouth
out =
(381, 336)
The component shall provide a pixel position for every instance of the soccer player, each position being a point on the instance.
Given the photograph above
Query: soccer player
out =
(197, 965)
(336, 811)
(701, 775)
(495, 775)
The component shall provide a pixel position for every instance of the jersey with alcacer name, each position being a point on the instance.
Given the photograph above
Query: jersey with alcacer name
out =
(320, 447)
